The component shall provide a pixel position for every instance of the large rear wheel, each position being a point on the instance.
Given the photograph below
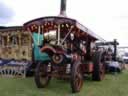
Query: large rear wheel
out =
(76, 77)
(41, 75)
(99, 67)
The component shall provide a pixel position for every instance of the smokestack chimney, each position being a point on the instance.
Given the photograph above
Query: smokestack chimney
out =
(63, 8)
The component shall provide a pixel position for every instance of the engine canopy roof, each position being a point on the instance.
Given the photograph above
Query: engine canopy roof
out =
(51, 23)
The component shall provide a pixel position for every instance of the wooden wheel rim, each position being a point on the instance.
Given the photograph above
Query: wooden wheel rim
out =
(43, 74)
(78, 79)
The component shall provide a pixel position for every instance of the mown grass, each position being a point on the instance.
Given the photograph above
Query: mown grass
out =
(113, 85)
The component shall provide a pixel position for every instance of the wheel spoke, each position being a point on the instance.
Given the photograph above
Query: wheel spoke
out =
(78, 79)
(42, 77)
(43, 74)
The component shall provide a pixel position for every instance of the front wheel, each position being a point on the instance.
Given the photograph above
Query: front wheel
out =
(76, 77)
(42, 77)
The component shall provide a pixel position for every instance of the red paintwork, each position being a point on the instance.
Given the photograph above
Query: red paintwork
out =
(47, 48)
(87, 68)
(52, 49)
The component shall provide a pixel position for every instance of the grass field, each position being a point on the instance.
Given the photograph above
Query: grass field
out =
(113, 85)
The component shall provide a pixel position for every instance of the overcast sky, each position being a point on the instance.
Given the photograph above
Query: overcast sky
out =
(107, 18)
